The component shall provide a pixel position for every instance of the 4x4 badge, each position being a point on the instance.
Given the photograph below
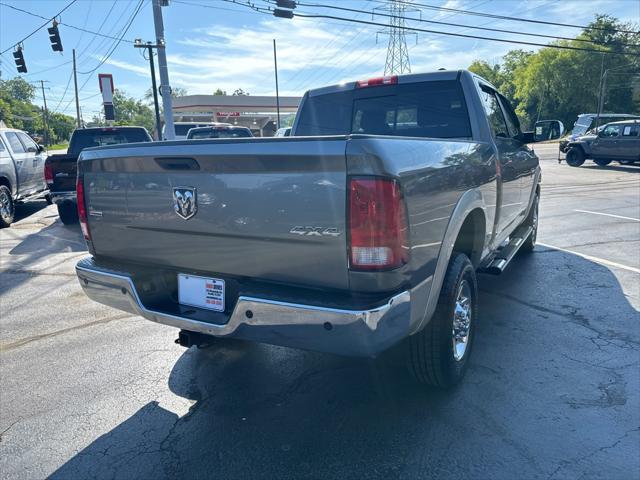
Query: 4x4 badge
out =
(185, 201)
(315, 231)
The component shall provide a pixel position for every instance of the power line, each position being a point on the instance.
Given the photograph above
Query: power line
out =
(118, 40)
(81, 29)
(476, 37)
(505, 17)
(40, 27)
(404, 3)
(115, 45)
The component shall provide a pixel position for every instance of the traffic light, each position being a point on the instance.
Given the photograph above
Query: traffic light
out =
(19, 59)
(54, 36)
(288, 4)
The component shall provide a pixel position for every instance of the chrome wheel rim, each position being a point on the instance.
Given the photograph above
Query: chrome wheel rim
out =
(5, 204)
(461, 321)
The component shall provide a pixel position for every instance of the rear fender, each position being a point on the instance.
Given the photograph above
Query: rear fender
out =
(8, 176)
(422, 310)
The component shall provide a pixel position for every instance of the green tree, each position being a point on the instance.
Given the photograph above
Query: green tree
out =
(19, 89)
(129, 111)
(219, 91)
(560, 84)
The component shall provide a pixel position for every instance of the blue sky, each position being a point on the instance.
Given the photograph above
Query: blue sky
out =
(229, 46)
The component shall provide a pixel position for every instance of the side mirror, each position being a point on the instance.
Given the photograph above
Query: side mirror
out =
(41, 148)
(548, 130)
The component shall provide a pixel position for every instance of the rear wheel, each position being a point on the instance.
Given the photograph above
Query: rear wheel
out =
(68, 212)
(575, 157)
(602, 163)
(438, 355)
(7, 207)
(532, 221)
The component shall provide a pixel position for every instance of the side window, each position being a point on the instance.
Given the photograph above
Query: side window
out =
(2, 149)
(14, 143)
(28, 142)
(510, 116)
(494, 113)
(611, 131)
(630, 130)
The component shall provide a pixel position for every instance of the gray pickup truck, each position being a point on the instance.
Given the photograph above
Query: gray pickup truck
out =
(361, 231)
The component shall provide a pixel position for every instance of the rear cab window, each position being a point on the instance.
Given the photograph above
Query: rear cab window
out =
(82, 139)
(221, 133)
(432, 109)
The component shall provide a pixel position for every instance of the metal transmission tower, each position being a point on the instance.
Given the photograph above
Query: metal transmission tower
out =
(397, 53)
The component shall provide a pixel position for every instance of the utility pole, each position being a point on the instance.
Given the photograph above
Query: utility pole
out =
(75, 85)
(165, 88)
(600, 100)
(149, 46)
(275, 63)
(46, 116)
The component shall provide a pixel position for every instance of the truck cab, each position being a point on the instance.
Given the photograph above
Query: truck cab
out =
(21, 171)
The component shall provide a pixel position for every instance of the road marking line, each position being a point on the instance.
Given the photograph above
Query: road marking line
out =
(601, 261)
(609, 215)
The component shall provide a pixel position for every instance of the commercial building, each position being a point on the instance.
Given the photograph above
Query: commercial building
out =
(259, 113)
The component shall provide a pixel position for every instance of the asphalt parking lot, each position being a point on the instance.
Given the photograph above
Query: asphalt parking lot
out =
(553, 390)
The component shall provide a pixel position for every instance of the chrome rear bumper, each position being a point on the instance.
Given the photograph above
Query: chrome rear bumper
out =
(341, 331)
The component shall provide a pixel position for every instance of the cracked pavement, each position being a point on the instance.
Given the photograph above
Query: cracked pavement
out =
(553, 391)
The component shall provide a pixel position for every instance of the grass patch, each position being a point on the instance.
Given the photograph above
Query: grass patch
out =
(58, 146)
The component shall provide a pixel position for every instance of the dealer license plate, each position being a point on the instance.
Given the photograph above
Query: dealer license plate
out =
(201, 292)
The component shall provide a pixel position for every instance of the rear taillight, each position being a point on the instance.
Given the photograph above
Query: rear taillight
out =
(372, 82)
(82, 208)
(48, 173)
(378, 232)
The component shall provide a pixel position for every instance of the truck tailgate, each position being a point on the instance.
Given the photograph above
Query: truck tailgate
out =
(64, 168)
(272, 209)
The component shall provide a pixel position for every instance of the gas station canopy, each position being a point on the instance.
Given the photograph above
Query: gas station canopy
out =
(259, 113)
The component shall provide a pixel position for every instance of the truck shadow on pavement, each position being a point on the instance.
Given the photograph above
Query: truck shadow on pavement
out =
(37, 253)
(552, 389)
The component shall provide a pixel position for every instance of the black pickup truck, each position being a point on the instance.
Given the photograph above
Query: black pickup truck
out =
(60, 170)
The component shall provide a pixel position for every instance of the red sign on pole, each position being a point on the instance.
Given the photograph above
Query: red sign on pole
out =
(106, 88)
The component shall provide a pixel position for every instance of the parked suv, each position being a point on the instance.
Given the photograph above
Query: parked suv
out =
(587, 122)
(21, 174)
(616, 141)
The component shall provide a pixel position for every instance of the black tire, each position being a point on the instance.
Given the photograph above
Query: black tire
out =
(602, 163)
(7, 207)
(575, 157)
(48, 199)
(532, 221)
(68, 212)
(431, 358)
